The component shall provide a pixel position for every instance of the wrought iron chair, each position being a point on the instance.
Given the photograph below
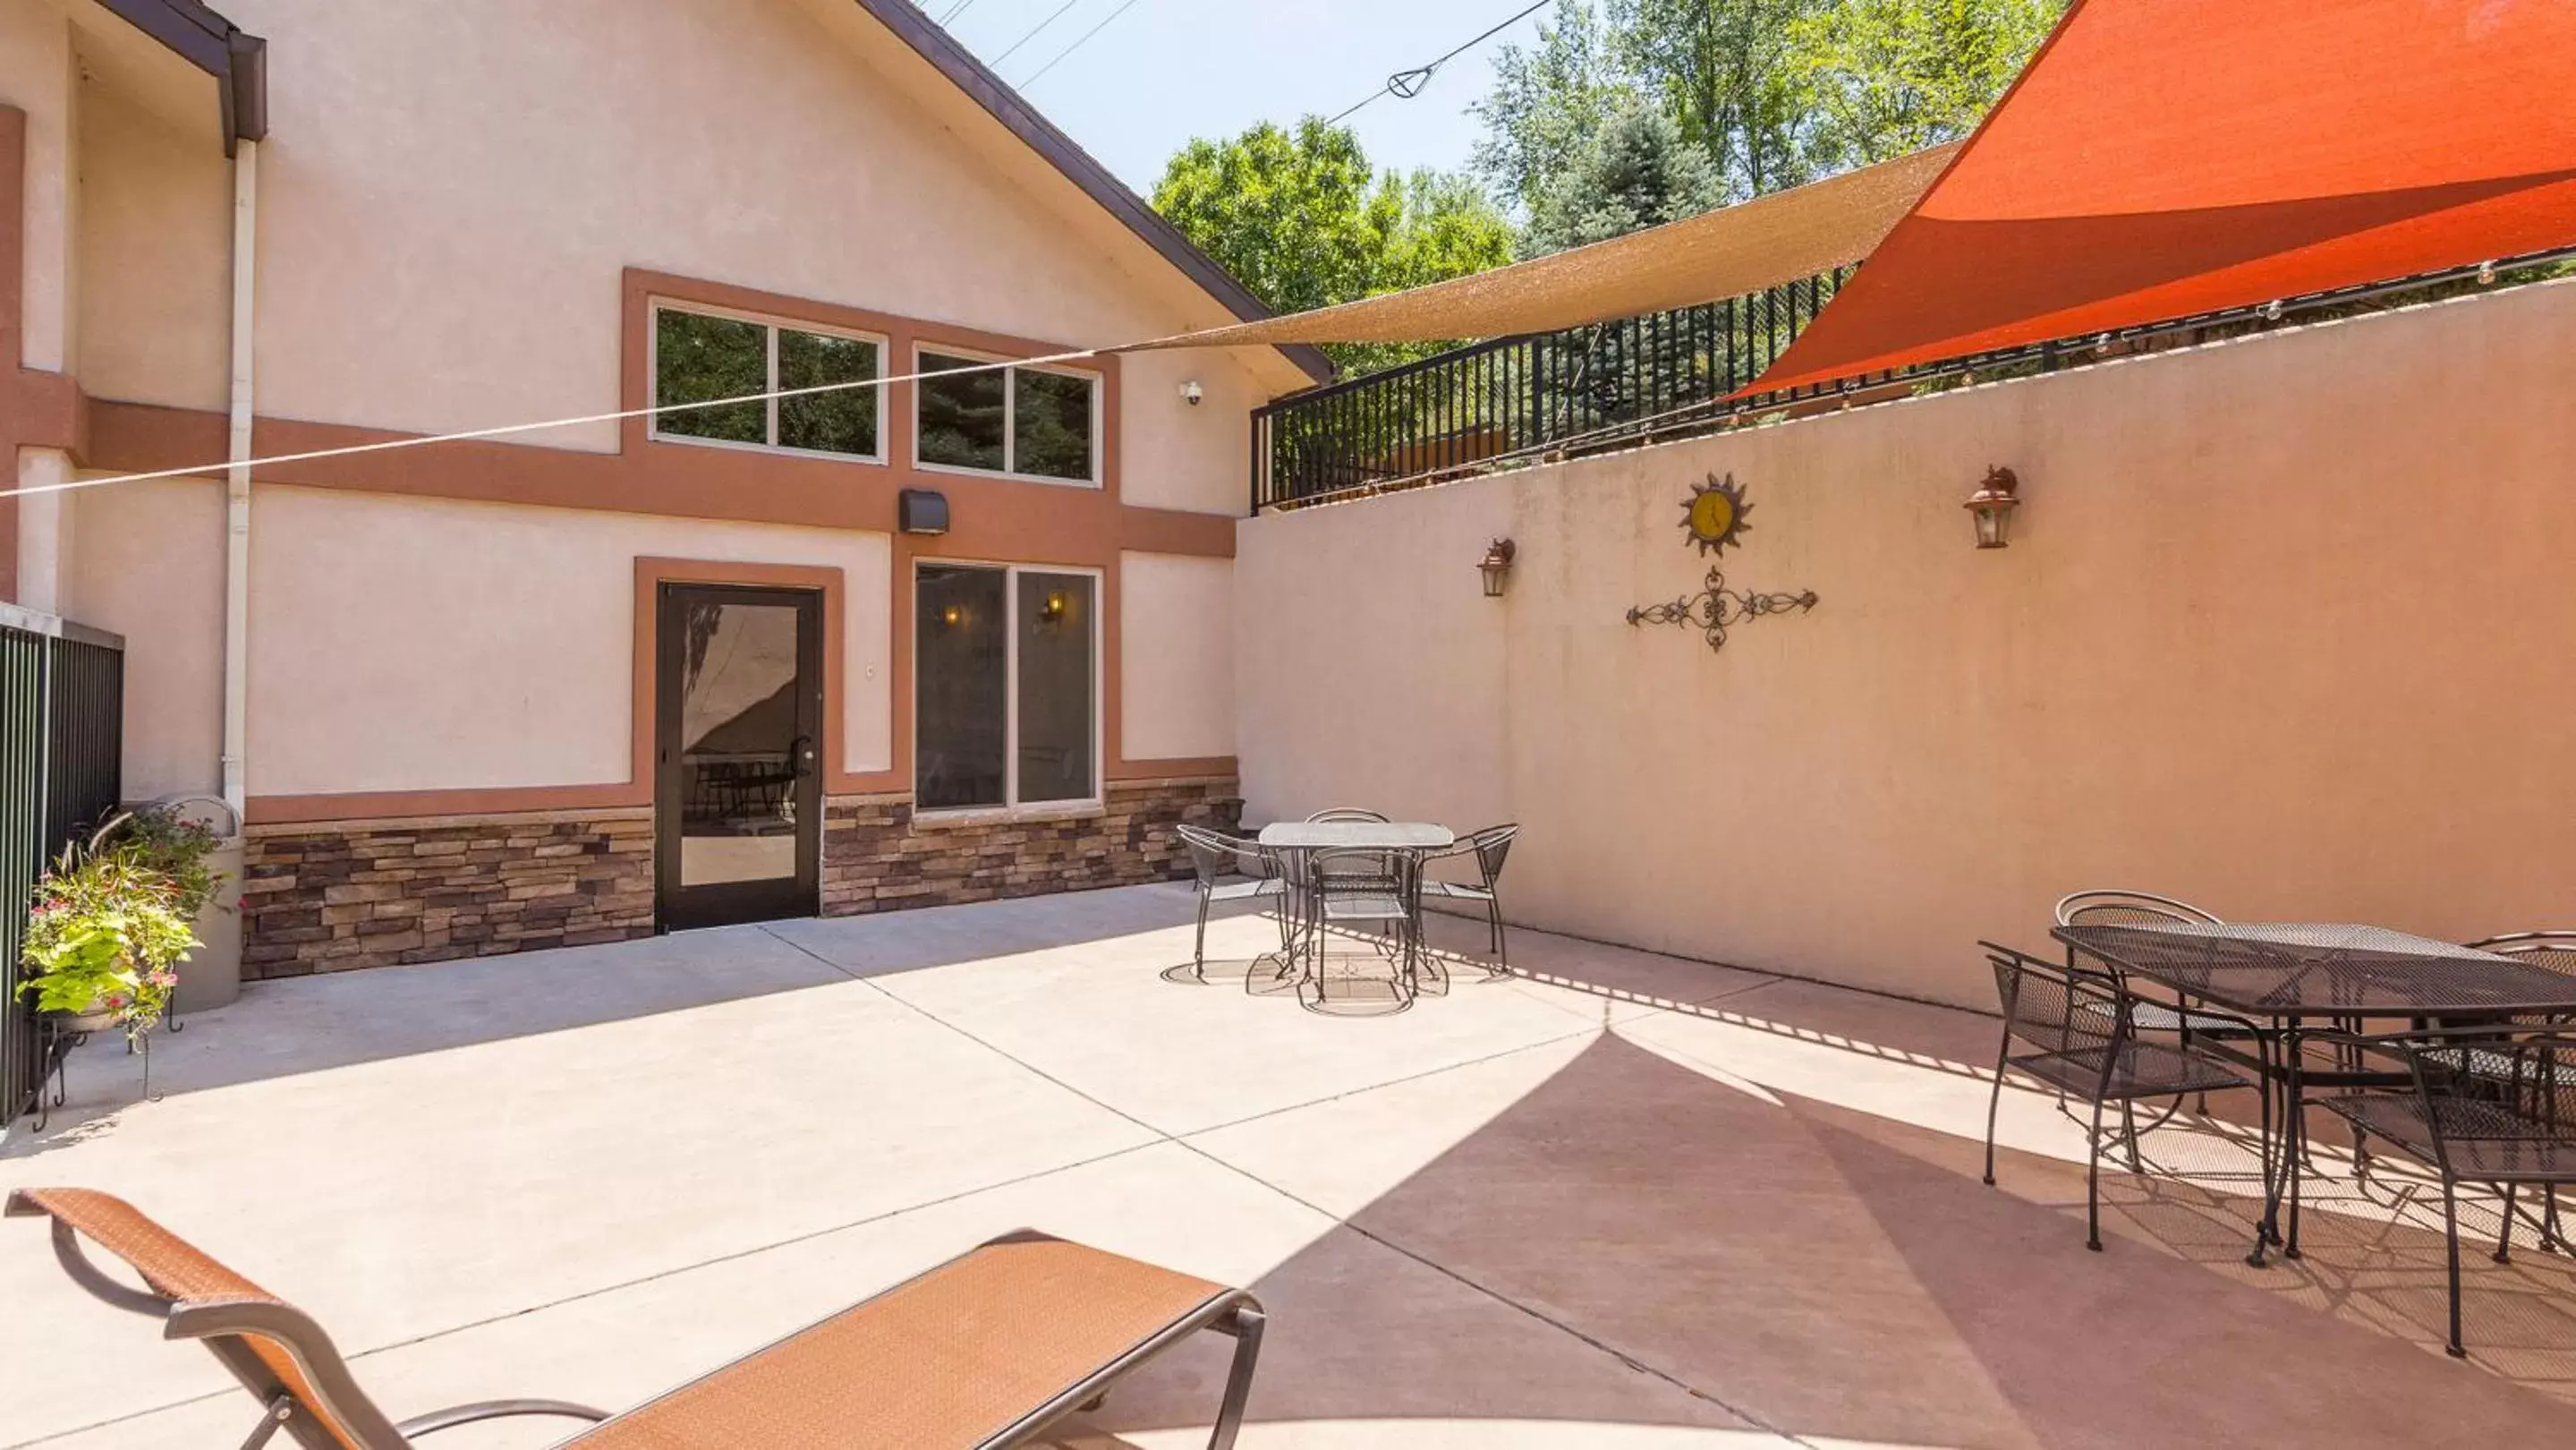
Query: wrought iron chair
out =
(1230, 868)
(1351, 887)
(1345, 813)
(1491, 847)
(2085, 1030)
(2471, 1122)
(2145, 908)
(2552, 951)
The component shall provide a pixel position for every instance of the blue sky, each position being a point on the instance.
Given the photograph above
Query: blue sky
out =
(1166, 70)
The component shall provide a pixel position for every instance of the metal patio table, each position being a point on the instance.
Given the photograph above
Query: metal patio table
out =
(2304, 977)
(1408, 840)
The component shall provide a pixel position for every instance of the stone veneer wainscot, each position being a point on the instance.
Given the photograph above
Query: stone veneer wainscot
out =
(878, 857)
(328, 897)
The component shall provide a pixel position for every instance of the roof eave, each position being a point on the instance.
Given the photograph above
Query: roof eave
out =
(1022, 120)
(237, 59)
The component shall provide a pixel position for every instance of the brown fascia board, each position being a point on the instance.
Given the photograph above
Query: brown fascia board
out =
(1005, 105)
(236, 59)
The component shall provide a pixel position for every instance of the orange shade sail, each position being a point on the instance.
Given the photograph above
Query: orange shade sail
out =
(2164, 158)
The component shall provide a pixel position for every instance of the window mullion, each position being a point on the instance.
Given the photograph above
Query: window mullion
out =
(1011, 688)
(770, 408)
(1010, 422)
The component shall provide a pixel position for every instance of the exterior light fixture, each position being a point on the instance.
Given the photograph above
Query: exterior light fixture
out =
(1190, 392)
(1993, 504)
(921, 511)
(1496, 566)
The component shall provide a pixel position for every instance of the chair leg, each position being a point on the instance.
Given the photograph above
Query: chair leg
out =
(2504, 1236)
(2129, 1135)
(1994, 1100)
(1246, 1329)
(1198, 949)
(2451, 1234)
(2093, 1182)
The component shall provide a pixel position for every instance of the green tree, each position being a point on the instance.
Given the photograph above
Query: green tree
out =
(1636, 170)
(1879, 78)
(1729, 72)
(1302, 220)
(1546, 102)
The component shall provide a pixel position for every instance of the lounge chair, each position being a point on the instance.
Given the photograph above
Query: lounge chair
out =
(987, 1350)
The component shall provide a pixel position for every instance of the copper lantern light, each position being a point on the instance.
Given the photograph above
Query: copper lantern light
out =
(1993, 504)
(1496, 566)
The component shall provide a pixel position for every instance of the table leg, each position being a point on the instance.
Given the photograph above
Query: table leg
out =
(2294, 1136)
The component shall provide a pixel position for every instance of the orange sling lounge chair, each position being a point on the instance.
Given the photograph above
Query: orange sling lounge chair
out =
(987, 1350)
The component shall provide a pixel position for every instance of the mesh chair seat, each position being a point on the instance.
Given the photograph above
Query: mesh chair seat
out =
(1247, 888)
(1364, 905)
(1457, 890)
(2486, 1142)
(2143, 1069)
(2159, 1017)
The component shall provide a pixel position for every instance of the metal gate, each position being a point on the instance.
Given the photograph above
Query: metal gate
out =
(62, 717)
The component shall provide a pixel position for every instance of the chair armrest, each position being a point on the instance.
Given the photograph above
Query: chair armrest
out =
(449, 1419)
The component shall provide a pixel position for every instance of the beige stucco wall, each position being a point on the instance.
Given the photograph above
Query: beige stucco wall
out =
(2285, 631)
(1176, 663)
(450, 191)
(149, 565)
(156, 243)
(36, 76)
(405, 644)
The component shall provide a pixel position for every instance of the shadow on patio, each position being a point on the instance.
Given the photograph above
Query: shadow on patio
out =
(1785, 1265)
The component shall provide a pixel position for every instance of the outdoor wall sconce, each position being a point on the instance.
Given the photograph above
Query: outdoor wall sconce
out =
(1191, 392)
(921, 511)
(1993, 504)
(1496, 566)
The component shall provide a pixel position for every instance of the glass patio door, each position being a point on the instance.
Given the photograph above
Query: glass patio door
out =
(738, 782)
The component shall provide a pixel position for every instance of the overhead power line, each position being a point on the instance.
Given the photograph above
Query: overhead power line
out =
(1406, 84)
(1052, 17)
(954, 11)
(1077, 44)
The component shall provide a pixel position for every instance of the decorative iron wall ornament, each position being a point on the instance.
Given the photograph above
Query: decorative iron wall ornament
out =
(1716, 607)
(1713, 515)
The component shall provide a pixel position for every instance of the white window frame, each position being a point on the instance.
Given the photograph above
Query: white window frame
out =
(1012, 806)
(1010, 416)
(653, 377)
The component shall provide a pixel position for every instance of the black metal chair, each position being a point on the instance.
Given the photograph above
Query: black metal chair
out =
(1354, 887)
(1346, 813)
(1230, 868)
(1491, 847)
(2489, 1104)
(2146, 908)
(2084, 1029)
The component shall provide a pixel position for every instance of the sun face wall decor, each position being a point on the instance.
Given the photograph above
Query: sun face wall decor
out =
(1713, 515)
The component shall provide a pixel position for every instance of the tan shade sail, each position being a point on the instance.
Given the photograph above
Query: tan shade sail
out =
(1725, 253)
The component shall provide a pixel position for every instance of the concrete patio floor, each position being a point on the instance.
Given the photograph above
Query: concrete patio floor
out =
(1616, 1202)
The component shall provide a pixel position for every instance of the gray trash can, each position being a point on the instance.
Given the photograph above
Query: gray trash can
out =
(211, 976)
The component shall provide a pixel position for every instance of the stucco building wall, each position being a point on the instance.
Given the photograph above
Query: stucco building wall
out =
(2283, 630)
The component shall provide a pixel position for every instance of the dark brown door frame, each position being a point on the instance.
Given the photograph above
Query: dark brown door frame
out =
(677, 907)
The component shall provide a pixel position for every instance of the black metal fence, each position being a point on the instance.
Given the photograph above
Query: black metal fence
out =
(1518, 401)
(62, 714)
(1518, 396)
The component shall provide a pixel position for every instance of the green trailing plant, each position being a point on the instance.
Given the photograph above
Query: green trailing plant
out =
(106, 934)
(160, 839)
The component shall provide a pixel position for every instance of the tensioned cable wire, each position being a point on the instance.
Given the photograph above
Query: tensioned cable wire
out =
(1054, 16)
(198, 470)
(1077, 45)
(1406, 84)
(955, 10)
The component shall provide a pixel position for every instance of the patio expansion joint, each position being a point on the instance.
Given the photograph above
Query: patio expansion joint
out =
(1630, 1361)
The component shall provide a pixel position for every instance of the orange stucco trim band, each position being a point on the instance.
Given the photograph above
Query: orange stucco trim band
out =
(403, 805)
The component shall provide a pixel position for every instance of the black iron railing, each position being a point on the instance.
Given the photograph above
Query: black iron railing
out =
(1519, 401)
(1515, 396)
(62, 712)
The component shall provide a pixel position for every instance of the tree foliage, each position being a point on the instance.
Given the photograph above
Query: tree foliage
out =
(1300, 217)
(1635, 170)
(1773, 93)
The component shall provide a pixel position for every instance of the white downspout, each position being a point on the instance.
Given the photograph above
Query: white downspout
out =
(237, 483)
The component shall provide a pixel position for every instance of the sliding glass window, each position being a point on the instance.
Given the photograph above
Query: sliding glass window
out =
(702, 357)
(1005, 687)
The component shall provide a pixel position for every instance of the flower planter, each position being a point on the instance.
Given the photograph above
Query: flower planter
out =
(210, 976)
(81, 1023)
